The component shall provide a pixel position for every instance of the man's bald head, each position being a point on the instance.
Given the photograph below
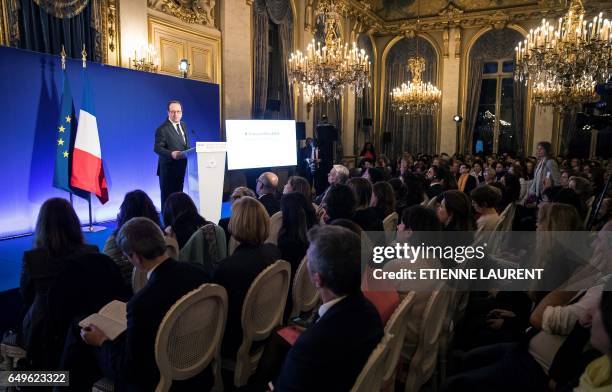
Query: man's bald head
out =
(267, 183)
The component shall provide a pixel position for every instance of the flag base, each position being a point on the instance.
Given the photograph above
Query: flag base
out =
(92, 228)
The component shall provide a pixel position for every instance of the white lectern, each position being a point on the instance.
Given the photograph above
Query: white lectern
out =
(209, 180)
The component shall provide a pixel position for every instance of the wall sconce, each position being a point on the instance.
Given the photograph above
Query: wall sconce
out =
(184, 67)
(457, 119)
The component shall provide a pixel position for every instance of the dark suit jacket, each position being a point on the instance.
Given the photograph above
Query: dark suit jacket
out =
(131, 356)
(329, 355)
(368, 219)
(434, 190)
(236, 273)
(166, 141)
(57, 290)
(271, 203)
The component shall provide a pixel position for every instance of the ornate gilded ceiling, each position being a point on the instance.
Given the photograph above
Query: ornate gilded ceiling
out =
(399, 16)
(394, 10)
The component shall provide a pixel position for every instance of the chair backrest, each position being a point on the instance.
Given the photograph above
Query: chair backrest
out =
(425, 357)
(390, 222)
(189, 337)
(262, 311)
(371, 376)
(276, 221)
(265, 301)
(206, 246)
(304, 295)
(396, 327)
(139, 279)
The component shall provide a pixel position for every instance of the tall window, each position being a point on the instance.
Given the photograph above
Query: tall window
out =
(495, 130)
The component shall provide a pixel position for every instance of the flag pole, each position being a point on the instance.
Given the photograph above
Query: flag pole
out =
(91, 228)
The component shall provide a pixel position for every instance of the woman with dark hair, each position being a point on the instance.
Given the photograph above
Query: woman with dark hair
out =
(455, 211)
(414, 192)
(135, 204)
(181, 217)
(298, 184)
(339, 202)
(368, 152)
(298, 217)
(61, 278)
(383, 199)
(365, 216)
(511, 191)
(399, 191)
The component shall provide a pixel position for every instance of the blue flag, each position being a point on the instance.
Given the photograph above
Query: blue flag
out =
(64, 141)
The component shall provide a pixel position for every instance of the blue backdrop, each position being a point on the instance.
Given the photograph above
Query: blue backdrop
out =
(129, 105)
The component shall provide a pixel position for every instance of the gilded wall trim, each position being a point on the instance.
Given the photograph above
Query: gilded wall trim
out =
(111, 33)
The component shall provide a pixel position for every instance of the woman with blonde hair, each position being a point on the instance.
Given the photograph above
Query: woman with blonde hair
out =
(250, 226)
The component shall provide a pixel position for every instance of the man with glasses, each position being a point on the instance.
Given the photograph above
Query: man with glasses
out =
(171, 140)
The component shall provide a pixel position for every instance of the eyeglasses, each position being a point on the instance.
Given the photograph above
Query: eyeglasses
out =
(175, 111)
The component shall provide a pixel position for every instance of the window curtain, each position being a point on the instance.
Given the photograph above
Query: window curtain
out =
(44, 26)
(492, 45)
(363, 104)
(409, 133)
(568, 130)
(278, 12)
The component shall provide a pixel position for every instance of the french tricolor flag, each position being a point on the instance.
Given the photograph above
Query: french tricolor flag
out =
(87, 170)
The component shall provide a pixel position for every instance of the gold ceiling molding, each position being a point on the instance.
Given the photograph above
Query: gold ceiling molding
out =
(189, 11)
(453, 15)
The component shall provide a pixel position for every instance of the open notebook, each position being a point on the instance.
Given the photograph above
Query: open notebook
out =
(111, 319)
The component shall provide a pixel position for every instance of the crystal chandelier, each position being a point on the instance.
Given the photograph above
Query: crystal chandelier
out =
(416, 97)
(325, 71)
(566, 60)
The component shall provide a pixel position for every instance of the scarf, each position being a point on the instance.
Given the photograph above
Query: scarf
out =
(462, 181)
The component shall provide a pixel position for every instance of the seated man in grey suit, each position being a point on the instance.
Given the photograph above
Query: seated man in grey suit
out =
(329, 355)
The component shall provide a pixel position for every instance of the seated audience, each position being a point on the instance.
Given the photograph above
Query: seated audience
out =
(266, 188)
(417, 225)
(300, 185)
(383, 199)
(330, 353)
(466, 181)
(400, 192)
(381, 294)
(129, 360)
(598, 374)
(236, 194)
(339, 202)
(181, 217)
(365, 215)
(338, 174)
(250, 226)
(455, 212)
(135, 203)
(436, 181)
(415, 193)
(61, 278)
(484, 200)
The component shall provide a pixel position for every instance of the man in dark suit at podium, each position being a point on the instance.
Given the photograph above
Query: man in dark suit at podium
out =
(170, 141)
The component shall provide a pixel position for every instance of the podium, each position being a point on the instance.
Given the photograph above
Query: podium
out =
(206, 177)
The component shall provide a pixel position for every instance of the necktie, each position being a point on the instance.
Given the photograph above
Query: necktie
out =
(180, 132)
